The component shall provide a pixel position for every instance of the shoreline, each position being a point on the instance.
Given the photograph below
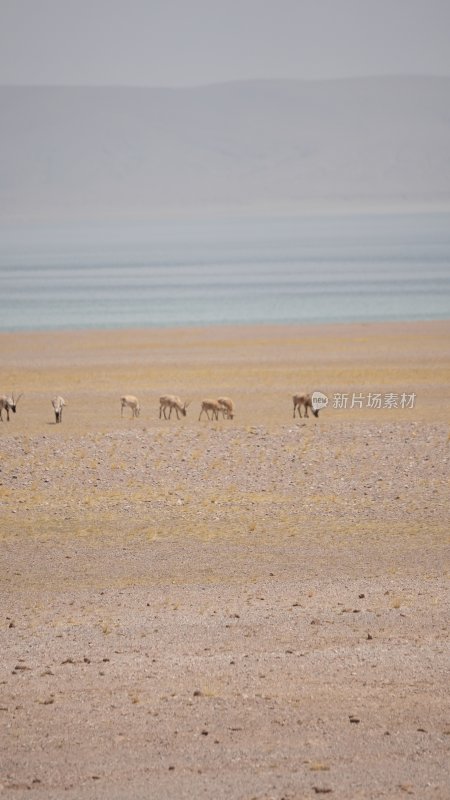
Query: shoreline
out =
(264, 326)
(221, 325)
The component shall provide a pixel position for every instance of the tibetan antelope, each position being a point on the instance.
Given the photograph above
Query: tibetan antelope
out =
(304, 400)
(171, 401)
(132, 402)
(210, 405)
(8, 404)
(227, 407)
(58, 404)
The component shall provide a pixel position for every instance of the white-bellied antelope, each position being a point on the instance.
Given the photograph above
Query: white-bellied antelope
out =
(227, 406)
(210, 405)
(8, 404)
(58, 404)
(171, 401)
(128, 400)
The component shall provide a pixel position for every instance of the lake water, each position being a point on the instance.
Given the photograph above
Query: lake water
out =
(278, 270)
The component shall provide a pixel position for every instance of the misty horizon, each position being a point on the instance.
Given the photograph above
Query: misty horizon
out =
(232, 81)
(129, 152)
(156, 44)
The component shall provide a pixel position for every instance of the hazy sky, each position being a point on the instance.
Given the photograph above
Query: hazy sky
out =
(190, 42)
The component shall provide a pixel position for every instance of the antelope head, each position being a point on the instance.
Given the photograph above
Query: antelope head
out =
(12, 401)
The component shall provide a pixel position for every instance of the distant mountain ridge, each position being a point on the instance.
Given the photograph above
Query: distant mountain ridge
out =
(112, 153)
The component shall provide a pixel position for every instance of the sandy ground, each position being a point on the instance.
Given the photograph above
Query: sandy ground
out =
(248, 608)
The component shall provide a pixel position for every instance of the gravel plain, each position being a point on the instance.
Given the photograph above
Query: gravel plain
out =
(249, 608)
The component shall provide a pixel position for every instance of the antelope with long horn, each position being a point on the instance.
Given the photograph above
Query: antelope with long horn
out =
(8, 404)
(171, 401)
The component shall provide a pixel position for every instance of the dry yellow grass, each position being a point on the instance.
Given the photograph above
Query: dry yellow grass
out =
(260, 367)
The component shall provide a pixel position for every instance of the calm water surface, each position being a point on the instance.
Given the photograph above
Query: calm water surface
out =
(307, 269)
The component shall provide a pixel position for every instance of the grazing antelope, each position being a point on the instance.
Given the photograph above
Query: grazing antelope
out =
(58, 403)
(304, 400)
(171, 401)
(8, 404)
(210, 405)
(132, 402)
(227, 407)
